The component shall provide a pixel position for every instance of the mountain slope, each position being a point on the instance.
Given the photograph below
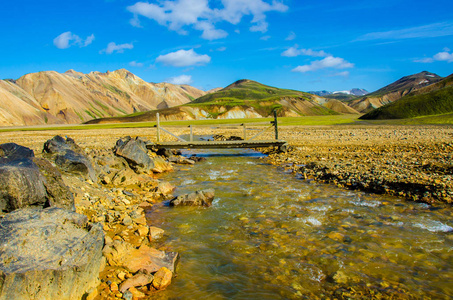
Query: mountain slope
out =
(74, 97)
(394, 91)
(262, 99)
(434, 99)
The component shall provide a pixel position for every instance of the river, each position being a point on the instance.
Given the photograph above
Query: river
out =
(271, 235)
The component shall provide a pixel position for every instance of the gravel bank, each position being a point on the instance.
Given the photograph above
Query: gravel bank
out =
(414, 162)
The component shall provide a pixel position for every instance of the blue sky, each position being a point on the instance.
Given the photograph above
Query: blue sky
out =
(302, 45)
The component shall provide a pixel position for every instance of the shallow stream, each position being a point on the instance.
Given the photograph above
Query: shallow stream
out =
(270, 235)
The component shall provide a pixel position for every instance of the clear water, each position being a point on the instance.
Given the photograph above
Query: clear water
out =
(270, 235)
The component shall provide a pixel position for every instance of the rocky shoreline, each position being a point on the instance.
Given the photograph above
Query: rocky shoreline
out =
(73, 221)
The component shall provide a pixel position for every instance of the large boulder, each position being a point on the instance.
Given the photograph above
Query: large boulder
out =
(198, 198)
(48, 253)
(134, 151)
(58, 194)
(69, 157)
(29, 181)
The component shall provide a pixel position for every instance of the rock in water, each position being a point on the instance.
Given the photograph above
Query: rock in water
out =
(69, 157)
(199, 198)
(134, 151)
(162, 278)
(48, 253)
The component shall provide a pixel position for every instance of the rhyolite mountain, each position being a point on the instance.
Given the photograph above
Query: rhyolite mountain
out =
(393, 91)
(434, 99)
(242, 99)
(50, 97)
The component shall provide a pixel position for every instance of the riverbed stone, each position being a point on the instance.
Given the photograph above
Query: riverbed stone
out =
(162, 278)
(181, 160)
(165, 188)
(140, 279)
(124, 254)
(198, 198)
(155, 233)
(48, 253)
(161, 165)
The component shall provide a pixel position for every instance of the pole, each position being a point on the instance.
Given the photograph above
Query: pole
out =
(245, 132)
(191, 133)
(275, 124)
(158, 127)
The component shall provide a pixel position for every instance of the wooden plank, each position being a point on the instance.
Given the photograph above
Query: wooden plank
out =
(217, 144)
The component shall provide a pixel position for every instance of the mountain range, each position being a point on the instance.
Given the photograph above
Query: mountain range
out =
(120, 96)
(72, 97)
(241, 99)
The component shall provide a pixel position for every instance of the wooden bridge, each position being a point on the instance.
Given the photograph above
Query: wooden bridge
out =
(245, 143)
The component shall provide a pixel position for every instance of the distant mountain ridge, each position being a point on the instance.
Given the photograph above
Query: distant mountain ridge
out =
(50, 97)
(354, 92)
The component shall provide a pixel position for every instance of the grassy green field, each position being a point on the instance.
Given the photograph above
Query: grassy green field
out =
(442, 119)
(446, 119)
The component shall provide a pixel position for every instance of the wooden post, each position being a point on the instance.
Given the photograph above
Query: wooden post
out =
(191, 133)
(275, 124)
(245, 132)
(158, 127)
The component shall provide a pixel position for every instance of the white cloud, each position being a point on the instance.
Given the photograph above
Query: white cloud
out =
(441, 56)
(328, 62)
(424, 60)
(265, 38)
(182, 79)
(295, 51)
(136, 64)
(221, 49)
(444, 56)
(113, 47)
(183, 58)
(291, 36)
(209, 31)
(178, 14)
(341, 74)
(68, 39)
(89, 40)
(425, 31)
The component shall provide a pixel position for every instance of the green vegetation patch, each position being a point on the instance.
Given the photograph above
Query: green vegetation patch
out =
(117, 91)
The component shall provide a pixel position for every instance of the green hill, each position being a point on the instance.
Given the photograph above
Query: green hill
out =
(434, 99)
(263, 99)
